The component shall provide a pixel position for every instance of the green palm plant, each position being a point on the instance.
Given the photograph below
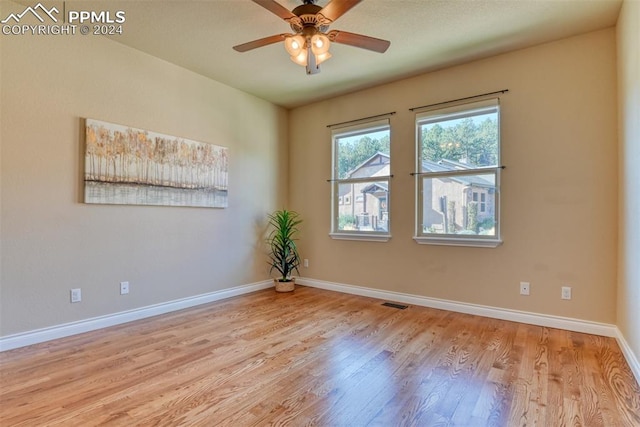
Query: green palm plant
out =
(284, 256)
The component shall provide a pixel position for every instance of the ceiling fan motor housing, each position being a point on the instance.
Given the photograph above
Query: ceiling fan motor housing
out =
(309, 18)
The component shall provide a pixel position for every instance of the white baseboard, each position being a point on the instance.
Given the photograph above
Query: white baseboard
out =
(632, 360)
(60, 331)
(550, 321)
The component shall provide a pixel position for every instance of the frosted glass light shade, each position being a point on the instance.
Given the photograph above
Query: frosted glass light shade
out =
(294, 45)
(320, 44)
(322, 57)
(300, 58)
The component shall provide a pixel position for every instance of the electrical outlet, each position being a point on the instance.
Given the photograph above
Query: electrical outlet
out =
(566, 292)
(305, 263)
(76, 295)
(124, 288)
(525, 288)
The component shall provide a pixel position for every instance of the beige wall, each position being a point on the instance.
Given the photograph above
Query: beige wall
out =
(52, 242)
(559, 207)
(629, 229)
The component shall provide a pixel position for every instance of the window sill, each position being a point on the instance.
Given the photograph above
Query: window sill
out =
(454, 241)
(361, 237)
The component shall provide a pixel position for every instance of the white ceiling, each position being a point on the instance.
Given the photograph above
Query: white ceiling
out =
(425, 35)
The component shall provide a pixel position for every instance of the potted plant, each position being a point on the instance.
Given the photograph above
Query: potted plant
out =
(283, 255)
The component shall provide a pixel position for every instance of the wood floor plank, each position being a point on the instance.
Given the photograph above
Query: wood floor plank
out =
(319, 358)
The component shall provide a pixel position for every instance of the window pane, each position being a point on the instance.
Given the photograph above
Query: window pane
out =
(454, 142)
(449, 205)
(363, 155)
(361, 170)
(368, 210)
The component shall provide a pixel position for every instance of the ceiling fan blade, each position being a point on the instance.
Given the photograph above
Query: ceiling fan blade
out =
(358, 40)
(276, 8)
(260, 42)
(336, 8)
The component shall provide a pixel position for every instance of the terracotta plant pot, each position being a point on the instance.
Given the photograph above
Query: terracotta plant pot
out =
(285, 286)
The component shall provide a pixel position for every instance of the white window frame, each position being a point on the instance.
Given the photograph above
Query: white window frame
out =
(462, 110)
(361, 128)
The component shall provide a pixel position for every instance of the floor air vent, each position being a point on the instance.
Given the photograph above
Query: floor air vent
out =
(394, 305)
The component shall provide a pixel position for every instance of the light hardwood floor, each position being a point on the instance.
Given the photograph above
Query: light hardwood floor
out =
(322, 358)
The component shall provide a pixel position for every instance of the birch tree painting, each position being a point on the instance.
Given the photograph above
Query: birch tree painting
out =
(124, 165)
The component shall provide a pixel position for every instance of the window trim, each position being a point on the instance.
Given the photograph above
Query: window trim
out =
(458, 241)
(435, 115)
(362, 236)
(361, 128)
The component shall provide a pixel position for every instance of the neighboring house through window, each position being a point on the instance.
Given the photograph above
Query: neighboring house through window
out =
(361, 175)
(458, 175)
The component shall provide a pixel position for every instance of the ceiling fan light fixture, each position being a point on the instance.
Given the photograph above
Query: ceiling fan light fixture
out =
(322, 57)
(300, 58)
(295, 45)
(320, 44)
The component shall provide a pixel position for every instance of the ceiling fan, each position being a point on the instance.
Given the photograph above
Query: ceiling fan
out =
(310, 42)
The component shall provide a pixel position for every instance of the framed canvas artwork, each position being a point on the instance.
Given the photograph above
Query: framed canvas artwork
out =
(125, 165)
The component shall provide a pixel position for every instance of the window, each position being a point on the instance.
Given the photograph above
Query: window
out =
(483, 200)
(458, 175)
(361, 175)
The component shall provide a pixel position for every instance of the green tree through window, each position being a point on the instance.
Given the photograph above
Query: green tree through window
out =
(471, 140)
(355, 150)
